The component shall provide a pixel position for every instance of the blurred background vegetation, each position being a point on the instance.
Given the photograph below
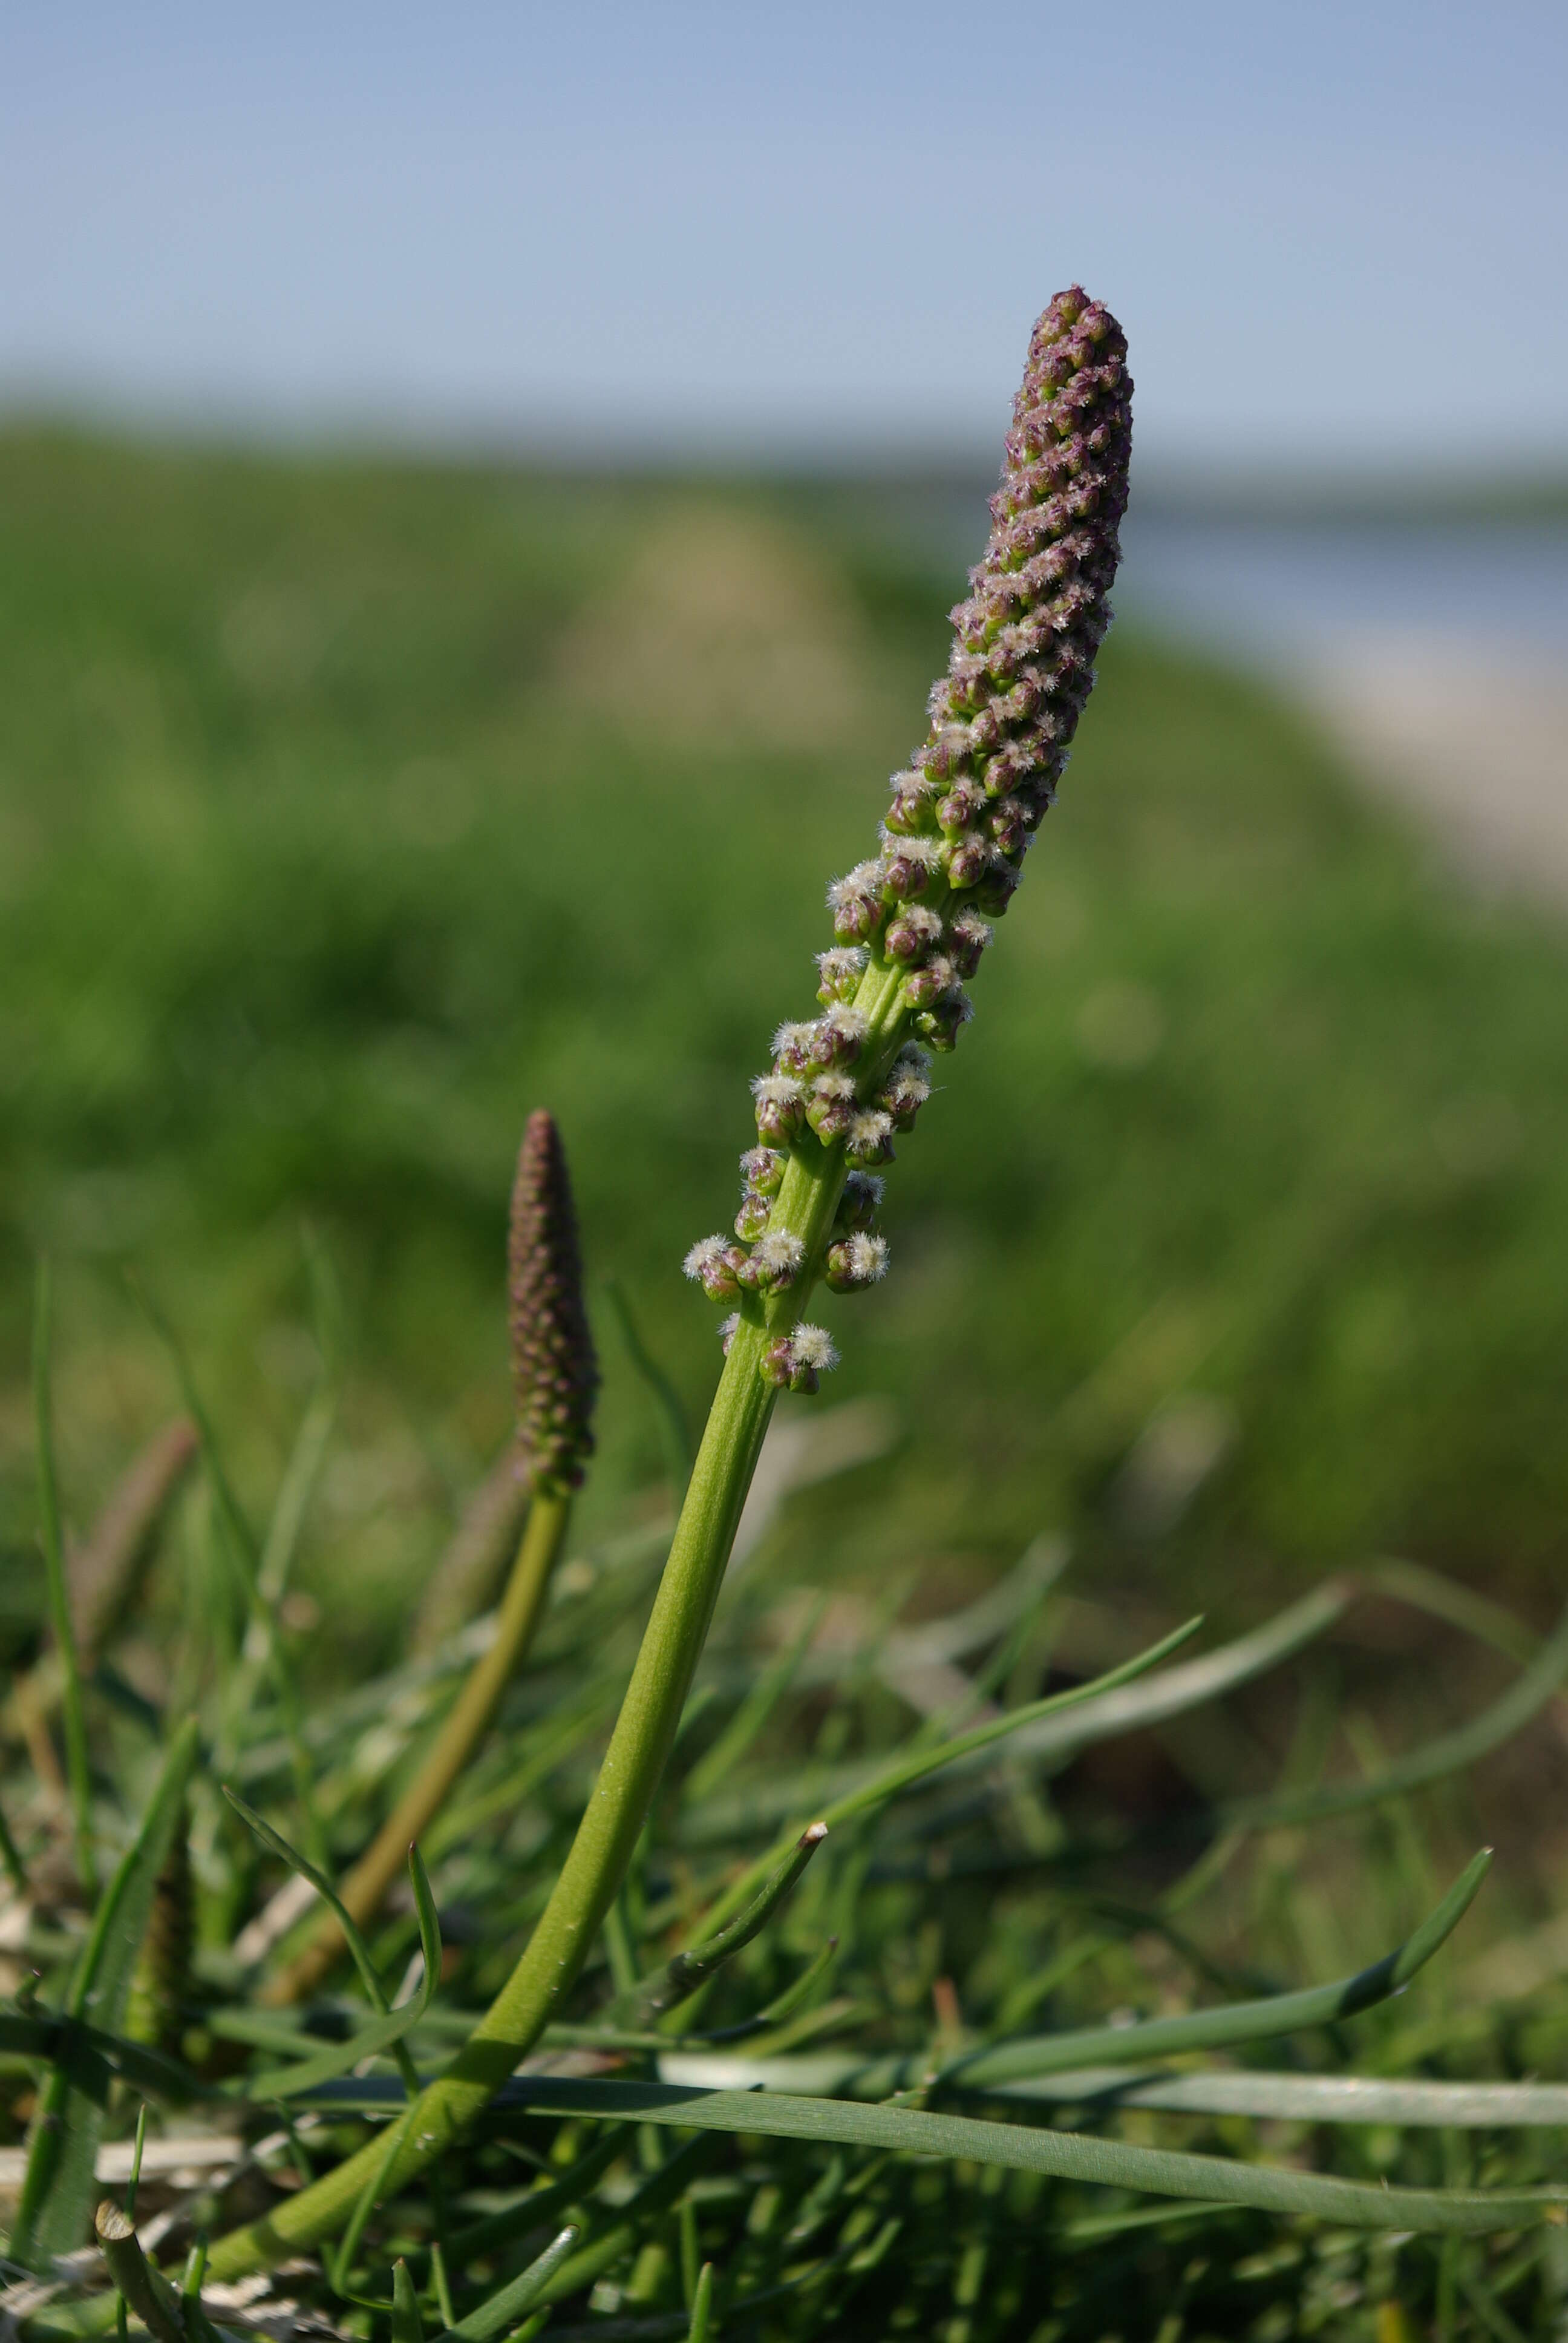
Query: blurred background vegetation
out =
(348, 809)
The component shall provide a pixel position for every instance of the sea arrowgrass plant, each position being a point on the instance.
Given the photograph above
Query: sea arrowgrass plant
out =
(912, 924)
(876, 2190)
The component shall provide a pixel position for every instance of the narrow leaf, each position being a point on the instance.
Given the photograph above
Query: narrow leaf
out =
(58, 2188)
(521, 2294)
(1101, 2163)
(1214, 2029)
(681, 1978)
(1451, 1753)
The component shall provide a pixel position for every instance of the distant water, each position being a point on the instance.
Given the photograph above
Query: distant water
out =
(1283, 592)
(1287, 593)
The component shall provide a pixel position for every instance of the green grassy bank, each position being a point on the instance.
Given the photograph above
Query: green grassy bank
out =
(349, 810)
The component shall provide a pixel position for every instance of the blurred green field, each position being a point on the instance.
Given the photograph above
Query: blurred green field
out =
(349, 810)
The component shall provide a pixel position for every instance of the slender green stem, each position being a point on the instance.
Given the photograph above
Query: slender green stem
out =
(629, 1779)
(467, 1722)
(74, 1719)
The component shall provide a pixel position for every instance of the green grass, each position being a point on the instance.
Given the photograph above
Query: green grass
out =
(349, 810)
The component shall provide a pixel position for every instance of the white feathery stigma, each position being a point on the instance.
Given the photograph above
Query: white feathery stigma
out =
(780, 1253)
(926, 851)
(727, 1333)
(865, 878)
(792, 1037)
(867, 1258)
(813, 1346)
(871, 1129)
(850, 1024)
(777, 1089)
(703, 1254)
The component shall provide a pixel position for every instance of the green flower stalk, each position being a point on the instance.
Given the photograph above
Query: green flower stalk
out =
(911, 924)
(556, 1376)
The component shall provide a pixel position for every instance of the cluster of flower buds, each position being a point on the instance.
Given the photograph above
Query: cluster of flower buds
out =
(554, 1368)
(912, 922)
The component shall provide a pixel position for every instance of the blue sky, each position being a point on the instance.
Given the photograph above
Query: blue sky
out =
(1332, 232)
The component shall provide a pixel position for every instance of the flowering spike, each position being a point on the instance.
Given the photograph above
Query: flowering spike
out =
(553, 1364)
(913, 921)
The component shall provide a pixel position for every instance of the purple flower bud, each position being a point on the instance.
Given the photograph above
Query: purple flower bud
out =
(912, 933)
(794, 1047)
(924, 985)
(841, 971)
(715, 1265)
(1009, 825)
(756, 1211)
(855, 1262)
(775, 1261)
(967, 938)
(781, 1106)
(968, 860)
(907, 1088)
(914, 795)
(831, 1107)
(554, 1369)
(859, 1205)
(870, 1138)
(908, 867)
(778, 1362)
(856, 903)
(763, 1168)
(838, 1038)
(996, 889)
(941, 1021)
(960, 807)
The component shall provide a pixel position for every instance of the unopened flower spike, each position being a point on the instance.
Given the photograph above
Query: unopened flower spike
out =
(553, 1364)
(912, 922)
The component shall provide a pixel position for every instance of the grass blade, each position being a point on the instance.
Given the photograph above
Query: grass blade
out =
(72, 1712)
(912, 1766)
(675, 1433)
(1101, 1713)
(1214, 2029)
(520, 2295)
(1449, 1753)
(391, 2025)
(1311, 2099)
(1101, 2163)
(58, 2188)
(681, 1976)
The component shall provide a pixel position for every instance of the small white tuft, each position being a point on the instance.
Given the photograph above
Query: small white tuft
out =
(870, 1130)
(813, 1347)
(865, 1187)
(727, 1333)
(835, 1088)
(850, 1024)
(865, 878)
(780, 1253)
(906, 1089)
(703, 1254)
(866, 1257)
(926, 851)
(777, 1089)
(921, 921)
(842, 962)
(970, 928)
(792, 1037)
